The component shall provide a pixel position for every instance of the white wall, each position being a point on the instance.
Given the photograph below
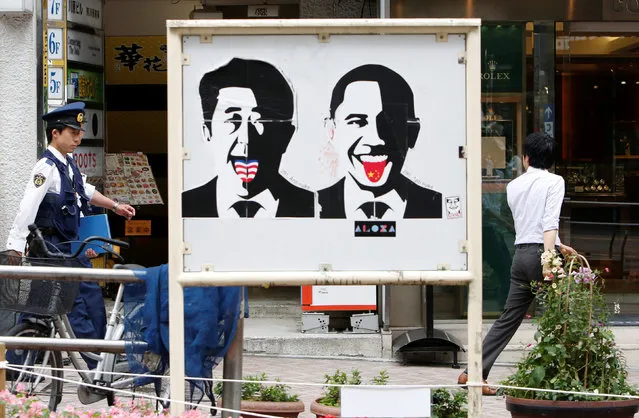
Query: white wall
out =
(18, 100)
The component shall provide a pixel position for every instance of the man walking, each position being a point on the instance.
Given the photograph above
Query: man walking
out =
(535, 200)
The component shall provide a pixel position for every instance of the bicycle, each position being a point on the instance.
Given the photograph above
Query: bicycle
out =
(49, 301)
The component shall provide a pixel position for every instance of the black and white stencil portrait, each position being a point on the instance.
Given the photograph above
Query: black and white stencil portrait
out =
(247, 106)
(303, 153)
(372, 121)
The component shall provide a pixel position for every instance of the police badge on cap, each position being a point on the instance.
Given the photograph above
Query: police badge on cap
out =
(71, 115)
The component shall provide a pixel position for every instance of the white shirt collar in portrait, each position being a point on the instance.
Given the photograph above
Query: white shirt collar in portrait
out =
(354, 197)
(535, 200)
(265, 199)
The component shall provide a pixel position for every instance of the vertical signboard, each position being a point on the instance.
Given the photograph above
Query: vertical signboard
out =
(85, 12)
(55, 83)
(54, 53)
(55, 10)
(501, 54)
(85, 48)
(55, 43)
(93, 124)
(85, 85)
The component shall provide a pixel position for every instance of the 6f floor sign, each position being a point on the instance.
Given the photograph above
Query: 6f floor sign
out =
(55, 44)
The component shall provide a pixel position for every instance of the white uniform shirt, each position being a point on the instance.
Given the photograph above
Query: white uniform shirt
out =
(47, 176)
(535, 200)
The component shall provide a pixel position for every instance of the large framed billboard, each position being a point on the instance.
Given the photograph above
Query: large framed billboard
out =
(335, 151)
(324, 153)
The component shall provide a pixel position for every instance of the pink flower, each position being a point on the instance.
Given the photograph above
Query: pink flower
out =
(607, 270)
(528, 316)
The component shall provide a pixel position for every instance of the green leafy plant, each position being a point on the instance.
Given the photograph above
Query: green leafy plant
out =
(575, 350)
(332, 394)
(255, 390)
(447, 404)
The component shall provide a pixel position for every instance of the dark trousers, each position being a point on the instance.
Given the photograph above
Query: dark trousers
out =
(526, 268)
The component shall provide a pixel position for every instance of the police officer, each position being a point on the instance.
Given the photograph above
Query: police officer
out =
(56, 195)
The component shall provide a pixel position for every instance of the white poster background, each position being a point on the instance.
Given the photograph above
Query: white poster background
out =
(438, 82)
(397, 402)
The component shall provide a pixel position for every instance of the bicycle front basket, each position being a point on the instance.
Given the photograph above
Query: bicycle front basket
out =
(41, 297)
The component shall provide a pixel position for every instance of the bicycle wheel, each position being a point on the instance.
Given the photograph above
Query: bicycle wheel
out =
(37, 379)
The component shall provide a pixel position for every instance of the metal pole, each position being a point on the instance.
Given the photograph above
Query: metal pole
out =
(386, 306)
(70, 274)
(69, 344)
(40, 11)
(384, 9)
(232, 391)
(3, 376)
(297, 278)
(473, 184)
(177, 247)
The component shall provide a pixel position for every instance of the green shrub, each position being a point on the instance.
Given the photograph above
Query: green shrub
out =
(255, 390)
(448, 404)
(332, 394)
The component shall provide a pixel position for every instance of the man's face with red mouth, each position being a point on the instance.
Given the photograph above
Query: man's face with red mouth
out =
(372, 156)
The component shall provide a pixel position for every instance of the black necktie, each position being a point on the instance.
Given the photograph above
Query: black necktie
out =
(374, 209)
(246, 208)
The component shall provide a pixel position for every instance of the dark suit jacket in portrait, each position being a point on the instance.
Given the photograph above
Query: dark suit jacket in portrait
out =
(420, 201)
(293, 202)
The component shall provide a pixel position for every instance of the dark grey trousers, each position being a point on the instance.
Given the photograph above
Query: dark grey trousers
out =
(526, 268)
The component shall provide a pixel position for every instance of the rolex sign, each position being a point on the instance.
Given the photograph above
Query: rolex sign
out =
(502, 54)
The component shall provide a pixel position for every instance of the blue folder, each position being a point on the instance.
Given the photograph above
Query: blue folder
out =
(94, 225)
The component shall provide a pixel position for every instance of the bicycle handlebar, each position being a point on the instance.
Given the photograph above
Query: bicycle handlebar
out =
(40, 239)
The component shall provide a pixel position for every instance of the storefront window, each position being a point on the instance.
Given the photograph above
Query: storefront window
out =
(598, 128)
(503, 126)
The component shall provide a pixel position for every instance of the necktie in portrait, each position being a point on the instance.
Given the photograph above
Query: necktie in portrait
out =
(374, 209)
(246, 208)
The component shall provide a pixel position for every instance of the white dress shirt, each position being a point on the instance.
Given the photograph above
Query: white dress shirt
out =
(535, 200)
(354, 197)
(33, 196)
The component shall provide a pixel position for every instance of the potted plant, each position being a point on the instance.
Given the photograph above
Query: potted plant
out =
(575, 350)
(267, 399)
(329, 404)
(449, 404)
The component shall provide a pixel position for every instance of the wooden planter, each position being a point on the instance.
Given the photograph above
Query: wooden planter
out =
(277, 409)
(532, 408)
(323, 410)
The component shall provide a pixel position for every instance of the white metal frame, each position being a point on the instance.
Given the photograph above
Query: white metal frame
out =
(178, 279)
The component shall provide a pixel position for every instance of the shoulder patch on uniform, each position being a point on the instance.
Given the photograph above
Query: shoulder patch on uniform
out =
(39, 179)
(48, 161)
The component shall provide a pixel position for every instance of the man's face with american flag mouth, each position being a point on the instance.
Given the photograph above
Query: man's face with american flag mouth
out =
(246, 154)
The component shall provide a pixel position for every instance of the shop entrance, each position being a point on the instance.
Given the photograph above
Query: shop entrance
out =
(597, 125)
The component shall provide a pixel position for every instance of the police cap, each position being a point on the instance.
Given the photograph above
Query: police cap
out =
(71, 115)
